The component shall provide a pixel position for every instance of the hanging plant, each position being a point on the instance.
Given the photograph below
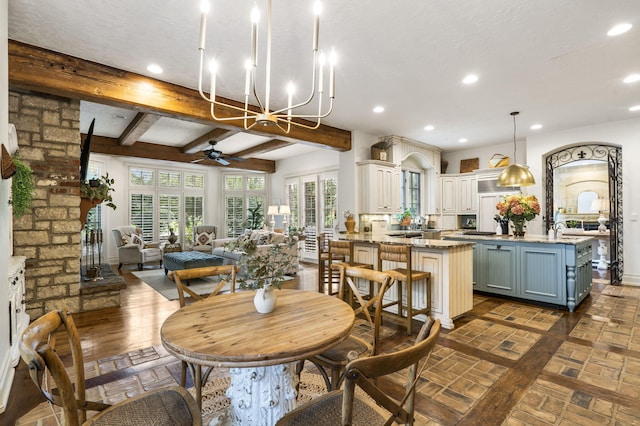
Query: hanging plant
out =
(98, 189)
(22, 188)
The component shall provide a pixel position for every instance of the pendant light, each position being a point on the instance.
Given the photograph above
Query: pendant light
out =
(515, 174)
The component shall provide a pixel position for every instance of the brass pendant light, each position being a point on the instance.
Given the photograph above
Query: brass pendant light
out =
(515, 174)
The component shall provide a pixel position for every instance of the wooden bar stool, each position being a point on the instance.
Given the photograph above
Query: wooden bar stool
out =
(343, 250)
(402, 254)
(324, 263)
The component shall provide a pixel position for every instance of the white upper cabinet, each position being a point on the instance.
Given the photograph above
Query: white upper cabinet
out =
(379, 187)
(459, 194)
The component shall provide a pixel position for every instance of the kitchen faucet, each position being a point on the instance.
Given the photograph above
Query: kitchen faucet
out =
(558, 226)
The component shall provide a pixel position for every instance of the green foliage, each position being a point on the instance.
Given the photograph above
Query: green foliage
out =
(255, 219)
(405, 214)
(22, 188)
(98, 189)
(264, 265)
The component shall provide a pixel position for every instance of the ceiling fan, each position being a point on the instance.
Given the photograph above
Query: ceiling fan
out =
(216, 155)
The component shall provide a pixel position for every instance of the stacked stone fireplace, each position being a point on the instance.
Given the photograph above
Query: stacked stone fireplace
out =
(49, 236)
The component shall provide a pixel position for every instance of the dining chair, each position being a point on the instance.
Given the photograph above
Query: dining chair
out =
(227, 281)
(324, 263)
(343, 252)
(346, 407)
(408, 276)
(165, 406)
(335, 359)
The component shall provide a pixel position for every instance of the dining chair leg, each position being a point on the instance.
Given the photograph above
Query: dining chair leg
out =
(409, 307)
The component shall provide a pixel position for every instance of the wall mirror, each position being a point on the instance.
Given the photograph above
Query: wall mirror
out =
(583, 182)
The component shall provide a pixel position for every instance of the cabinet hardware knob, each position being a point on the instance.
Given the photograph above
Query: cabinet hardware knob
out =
(499, 247)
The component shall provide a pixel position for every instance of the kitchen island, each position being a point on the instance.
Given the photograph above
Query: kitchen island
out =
(449, 262)
(534, 267)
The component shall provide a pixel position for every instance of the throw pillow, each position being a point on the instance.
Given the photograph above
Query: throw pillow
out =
(264, 239)
(204, 239)
(136, 239)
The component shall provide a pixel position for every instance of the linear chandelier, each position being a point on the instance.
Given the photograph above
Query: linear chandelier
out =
(283, 118)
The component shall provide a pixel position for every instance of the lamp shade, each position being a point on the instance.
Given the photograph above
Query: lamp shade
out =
(285, 210)
(516, 175)
(272, 210)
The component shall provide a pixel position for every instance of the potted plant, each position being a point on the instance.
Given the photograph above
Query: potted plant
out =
(405, 217)
(22, 188)
(263, 268)
(93, 192)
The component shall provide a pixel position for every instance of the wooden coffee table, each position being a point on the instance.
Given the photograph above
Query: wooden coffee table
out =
(260, 349)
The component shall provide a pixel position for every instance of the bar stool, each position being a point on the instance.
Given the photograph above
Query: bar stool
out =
(343, 250)
(324, 263)
(402, 254)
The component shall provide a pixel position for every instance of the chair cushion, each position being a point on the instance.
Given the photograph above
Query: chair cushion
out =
(164, 407)
(350, 344)
(327, 410)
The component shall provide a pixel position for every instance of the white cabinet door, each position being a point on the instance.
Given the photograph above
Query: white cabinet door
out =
(448, 192)
(467, 193)
(486, 212)
(380, 188)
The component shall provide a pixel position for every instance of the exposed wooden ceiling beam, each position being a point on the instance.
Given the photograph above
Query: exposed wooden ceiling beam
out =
(110, 146)
(41, 70)
(268, 146)
(138, 126)
(202, 142)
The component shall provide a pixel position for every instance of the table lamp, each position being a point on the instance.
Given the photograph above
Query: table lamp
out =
(272, 210)
(285, 211)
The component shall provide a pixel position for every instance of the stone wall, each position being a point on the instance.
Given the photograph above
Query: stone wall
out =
(48, 130)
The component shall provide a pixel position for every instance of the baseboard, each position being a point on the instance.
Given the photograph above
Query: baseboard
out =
(631, 279)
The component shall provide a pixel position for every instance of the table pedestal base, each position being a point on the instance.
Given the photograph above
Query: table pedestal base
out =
(260, 396)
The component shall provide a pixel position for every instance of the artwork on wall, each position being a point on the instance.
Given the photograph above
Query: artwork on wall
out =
(469, 165)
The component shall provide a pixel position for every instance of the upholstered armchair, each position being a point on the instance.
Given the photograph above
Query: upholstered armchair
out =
(133, 249)
(203, 236)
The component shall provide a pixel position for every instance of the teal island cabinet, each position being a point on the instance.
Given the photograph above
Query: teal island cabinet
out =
(450, 264)
(537, 268)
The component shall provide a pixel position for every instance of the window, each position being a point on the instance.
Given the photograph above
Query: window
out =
(166, 199)
(94, 217)
(411, 191)
(244, 192)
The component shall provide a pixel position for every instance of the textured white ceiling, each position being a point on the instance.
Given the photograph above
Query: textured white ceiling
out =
(551, 60)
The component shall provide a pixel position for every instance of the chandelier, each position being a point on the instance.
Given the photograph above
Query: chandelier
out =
(283, 118)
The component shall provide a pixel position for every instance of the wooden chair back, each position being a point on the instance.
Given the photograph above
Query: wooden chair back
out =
(394, 253)
(348, 275)
(341, 248)
(227, 271)
(38, 351)
(362, 372)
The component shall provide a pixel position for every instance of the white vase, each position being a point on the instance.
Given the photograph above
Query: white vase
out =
(265, 300)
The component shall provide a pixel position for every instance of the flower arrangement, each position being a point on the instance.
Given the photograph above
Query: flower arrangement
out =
(518, 209)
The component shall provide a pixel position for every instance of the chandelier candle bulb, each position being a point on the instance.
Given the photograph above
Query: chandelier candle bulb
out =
(204, 7)
(317, 9)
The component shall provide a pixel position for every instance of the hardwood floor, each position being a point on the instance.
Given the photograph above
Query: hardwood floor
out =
(505, 363)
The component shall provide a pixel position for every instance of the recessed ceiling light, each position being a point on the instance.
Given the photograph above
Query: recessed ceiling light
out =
(632, 78)
(463, 140)
(619, 29)
(154, 68)
(536, 127)
(429, 128)
(634, 108)
(378, 109)
(470, 79)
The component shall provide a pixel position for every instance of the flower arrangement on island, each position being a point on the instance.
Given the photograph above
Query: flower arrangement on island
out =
(518, 209)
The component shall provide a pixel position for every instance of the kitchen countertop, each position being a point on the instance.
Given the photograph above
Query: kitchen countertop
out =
(367, 237)
(528, 238)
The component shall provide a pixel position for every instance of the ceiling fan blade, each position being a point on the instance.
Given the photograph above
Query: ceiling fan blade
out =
(222, 161)
(228, 157)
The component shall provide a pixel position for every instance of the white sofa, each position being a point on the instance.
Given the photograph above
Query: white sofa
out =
(231, 257)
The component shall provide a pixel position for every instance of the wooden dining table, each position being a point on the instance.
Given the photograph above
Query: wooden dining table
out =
(261, 350)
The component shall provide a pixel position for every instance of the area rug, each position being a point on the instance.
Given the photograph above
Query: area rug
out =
(157, 280)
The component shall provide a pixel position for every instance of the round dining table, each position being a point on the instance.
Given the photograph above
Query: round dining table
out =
(261, 350)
